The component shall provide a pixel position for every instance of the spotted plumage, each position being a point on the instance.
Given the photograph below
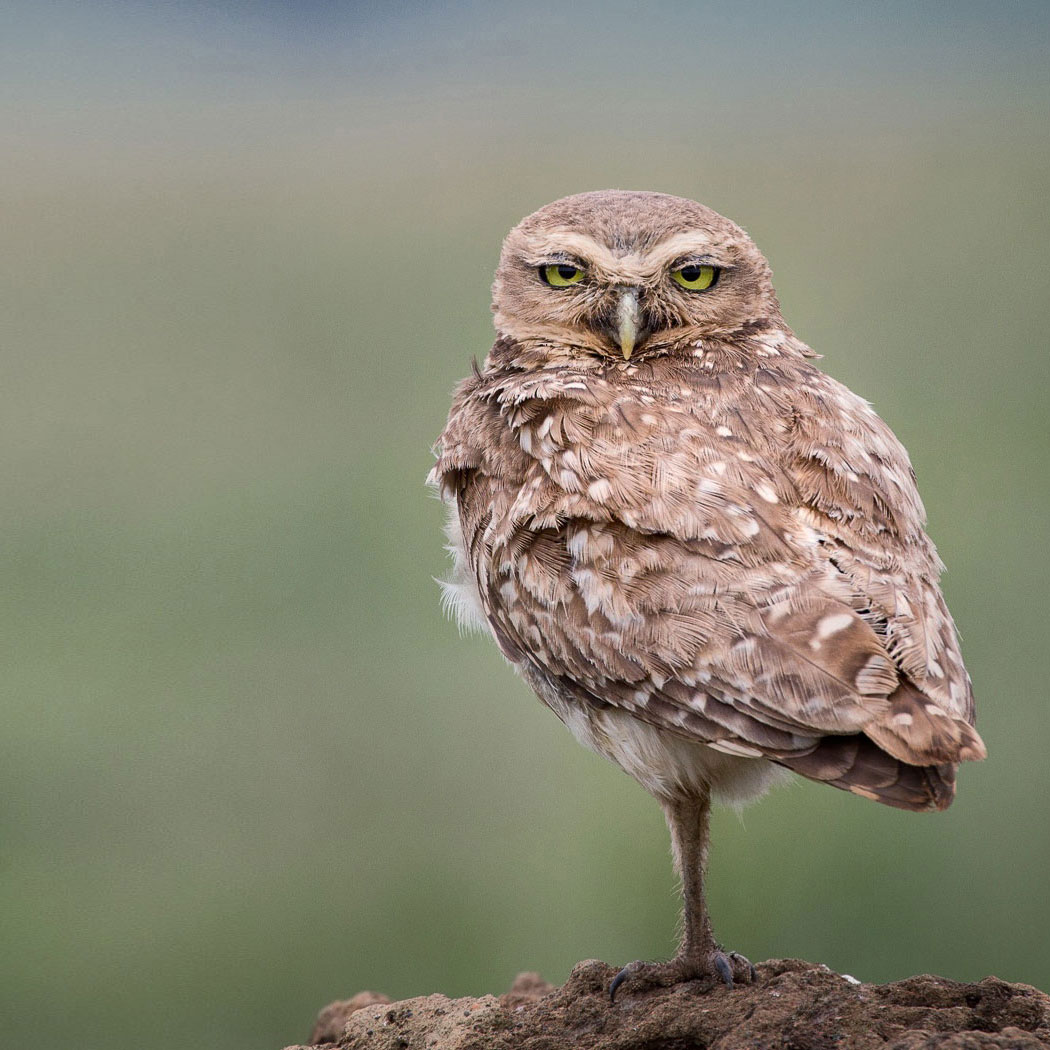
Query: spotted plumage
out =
(705, 555)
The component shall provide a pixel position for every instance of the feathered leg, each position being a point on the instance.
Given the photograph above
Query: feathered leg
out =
(698, 955)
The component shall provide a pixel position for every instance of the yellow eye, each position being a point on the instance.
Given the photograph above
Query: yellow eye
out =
(695, 277)
(561, 275)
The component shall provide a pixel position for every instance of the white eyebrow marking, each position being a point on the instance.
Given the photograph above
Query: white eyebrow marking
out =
(571, 242)
(689, 242)
(631, 267)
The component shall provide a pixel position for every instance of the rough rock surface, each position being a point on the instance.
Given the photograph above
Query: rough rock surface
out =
(795, 1005)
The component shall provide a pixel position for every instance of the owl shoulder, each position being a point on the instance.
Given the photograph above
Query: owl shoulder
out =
(845, 462)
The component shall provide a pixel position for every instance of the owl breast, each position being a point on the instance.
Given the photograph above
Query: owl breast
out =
(594, 518)
(601, 547)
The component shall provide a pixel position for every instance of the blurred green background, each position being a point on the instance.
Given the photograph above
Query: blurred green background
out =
(246, 766)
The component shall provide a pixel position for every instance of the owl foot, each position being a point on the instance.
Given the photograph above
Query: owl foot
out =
(728, 967)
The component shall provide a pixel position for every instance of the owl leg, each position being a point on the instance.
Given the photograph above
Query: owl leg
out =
(698, 955)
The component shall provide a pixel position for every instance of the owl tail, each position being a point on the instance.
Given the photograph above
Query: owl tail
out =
(856, 763)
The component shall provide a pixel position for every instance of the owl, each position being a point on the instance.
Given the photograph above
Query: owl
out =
(704, 555)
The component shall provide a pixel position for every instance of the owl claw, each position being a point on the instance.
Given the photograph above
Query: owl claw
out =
(622, 976)
(725, 971)
(731, 968)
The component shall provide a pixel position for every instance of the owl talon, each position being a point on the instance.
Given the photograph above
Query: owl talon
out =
(724, 970)
(730, 968)
(622, 976)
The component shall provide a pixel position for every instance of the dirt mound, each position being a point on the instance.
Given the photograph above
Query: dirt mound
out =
(795, 1005)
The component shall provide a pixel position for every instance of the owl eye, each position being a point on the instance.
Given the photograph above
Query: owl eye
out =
(561, 275)
(695, 277)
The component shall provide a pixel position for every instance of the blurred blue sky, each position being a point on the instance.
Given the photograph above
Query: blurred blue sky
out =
(761, 62)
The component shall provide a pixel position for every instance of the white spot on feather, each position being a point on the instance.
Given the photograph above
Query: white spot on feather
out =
(829, 625)
(732, 747)
(576, 542)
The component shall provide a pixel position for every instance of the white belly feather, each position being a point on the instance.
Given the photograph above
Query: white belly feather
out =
(459, 593)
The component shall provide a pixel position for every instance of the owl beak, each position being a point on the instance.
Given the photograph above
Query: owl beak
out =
(628, 317)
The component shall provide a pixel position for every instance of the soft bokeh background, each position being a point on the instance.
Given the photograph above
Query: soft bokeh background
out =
(247, 766)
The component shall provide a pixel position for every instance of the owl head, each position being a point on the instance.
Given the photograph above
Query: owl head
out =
(620, 274)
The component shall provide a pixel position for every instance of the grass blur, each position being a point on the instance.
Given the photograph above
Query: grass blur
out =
(247, 767)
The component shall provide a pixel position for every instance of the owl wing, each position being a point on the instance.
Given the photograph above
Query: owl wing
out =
(856, 490)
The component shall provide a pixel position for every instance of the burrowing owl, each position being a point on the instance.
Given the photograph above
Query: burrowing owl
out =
(705, 556)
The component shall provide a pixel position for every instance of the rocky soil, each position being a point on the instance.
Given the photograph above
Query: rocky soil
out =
(795, 1005)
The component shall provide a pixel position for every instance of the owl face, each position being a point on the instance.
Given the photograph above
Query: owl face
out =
(622, 274)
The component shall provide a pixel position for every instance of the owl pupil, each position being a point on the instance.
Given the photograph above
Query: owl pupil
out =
(566, 273)
(691, 273)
